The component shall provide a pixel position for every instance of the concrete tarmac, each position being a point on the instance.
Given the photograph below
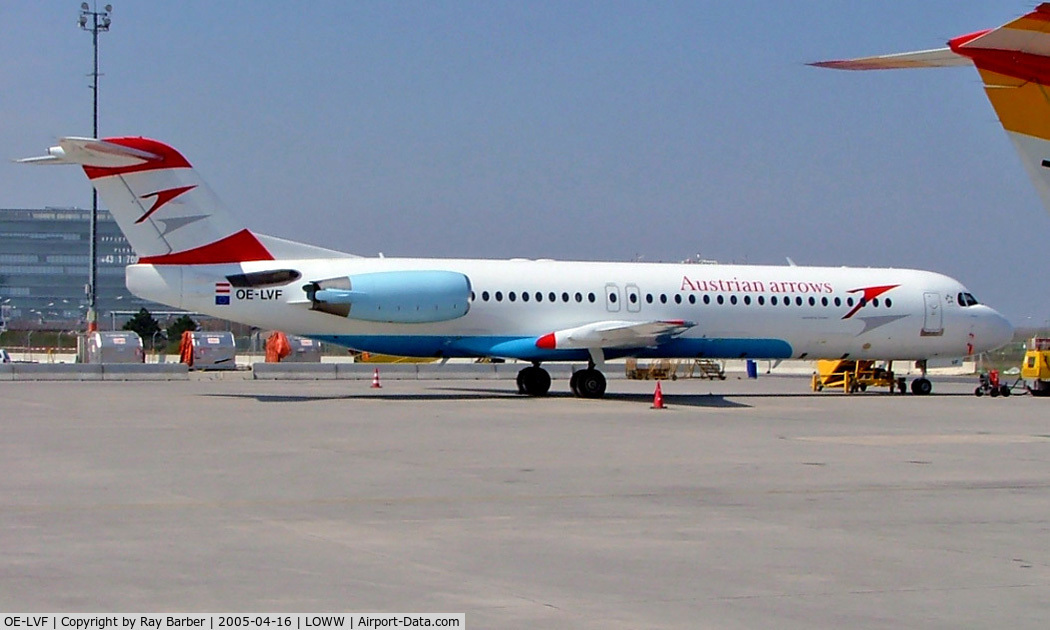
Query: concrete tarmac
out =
(746, 504)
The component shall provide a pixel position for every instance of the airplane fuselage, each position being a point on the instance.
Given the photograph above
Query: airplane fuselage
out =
(732, 311)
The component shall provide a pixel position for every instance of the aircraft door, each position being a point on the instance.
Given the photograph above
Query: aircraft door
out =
(612, 297)
(634, 298)
(933, 318)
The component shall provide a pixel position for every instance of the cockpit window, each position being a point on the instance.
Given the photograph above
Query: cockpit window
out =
(966, 299)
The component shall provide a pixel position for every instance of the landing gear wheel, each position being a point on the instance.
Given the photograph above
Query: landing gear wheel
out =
(574, 383)
(590, 383)
(534, 381)
(921, 386)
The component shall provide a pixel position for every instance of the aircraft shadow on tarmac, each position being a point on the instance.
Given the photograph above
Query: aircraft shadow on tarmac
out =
(461, 394)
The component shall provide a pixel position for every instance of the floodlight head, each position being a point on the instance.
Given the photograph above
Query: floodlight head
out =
(109, 8)
(105, 22)
(83, 21)
(84, 6)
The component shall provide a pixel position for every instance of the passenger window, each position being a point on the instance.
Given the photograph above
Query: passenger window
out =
(484, 296)
(499, 296)
(677, 298)
(707, 299)
(721, 300)
(471, 296)
(524, 296)
(564, 297)
(663, 298)
(747, 300)
(551, 297)
(692, 299)
(823, 301)
(633, 298)
(849, 301)
(590, 298)
(648, 298)
(875, 302)
(812, 301)
(773, 300)
(732, 299)
(798, 300)
(579, 296)
(838, 301)
(512, 296)
(539, 296)
(761, 300)
(889, 303)
(612, 298)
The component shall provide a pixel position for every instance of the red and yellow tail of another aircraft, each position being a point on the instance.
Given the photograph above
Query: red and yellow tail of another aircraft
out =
(1014, 63)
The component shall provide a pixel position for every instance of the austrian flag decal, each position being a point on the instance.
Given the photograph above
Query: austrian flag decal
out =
(222, 293)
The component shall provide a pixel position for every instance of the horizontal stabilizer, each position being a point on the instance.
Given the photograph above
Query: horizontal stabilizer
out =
(94, 153)
(936, 58)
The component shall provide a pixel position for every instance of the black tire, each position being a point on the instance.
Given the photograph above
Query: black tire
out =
(574, 382)
(921, 387)
(590, 384)
(993, 392)
(978, 392)
(534, 381)
(538, 383)
(1004, 390)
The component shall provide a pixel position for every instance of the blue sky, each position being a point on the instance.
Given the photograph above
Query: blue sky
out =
(573, 130)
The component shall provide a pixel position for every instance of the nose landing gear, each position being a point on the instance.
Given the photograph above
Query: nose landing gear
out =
(922, 385)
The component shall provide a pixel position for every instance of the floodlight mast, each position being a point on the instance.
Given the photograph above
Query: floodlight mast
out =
(95, 22)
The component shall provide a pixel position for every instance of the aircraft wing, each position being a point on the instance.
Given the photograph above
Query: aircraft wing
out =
(614, 334)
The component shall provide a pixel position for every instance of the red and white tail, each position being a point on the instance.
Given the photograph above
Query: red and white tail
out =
(166, 211)
(1014, 63)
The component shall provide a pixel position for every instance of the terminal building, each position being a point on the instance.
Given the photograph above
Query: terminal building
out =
(44, 269)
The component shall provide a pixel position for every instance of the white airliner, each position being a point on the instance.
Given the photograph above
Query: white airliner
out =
(194, 255)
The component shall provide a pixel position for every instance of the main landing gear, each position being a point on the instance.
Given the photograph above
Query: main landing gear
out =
(536, 381)
(589, 383)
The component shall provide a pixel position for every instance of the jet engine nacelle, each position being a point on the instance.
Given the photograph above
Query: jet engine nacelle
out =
(400, 297)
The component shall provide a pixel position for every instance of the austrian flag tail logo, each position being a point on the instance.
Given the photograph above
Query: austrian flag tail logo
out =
(162, 197)
(222, 293)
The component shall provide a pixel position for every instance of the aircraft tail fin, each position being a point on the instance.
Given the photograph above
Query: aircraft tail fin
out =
(163, 207)
(1014, 63)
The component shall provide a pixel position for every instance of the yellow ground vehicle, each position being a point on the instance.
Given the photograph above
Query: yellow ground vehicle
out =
(853, 376)
(1036, 366)
(657, 370)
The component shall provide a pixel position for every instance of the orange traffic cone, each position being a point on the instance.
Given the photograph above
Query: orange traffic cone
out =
(375, 379)
(658, 398)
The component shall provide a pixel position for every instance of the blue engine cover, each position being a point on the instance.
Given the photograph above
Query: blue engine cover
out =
(400, 297)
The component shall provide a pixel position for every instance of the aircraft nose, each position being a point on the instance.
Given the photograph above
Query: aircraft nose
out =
(995, 330)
